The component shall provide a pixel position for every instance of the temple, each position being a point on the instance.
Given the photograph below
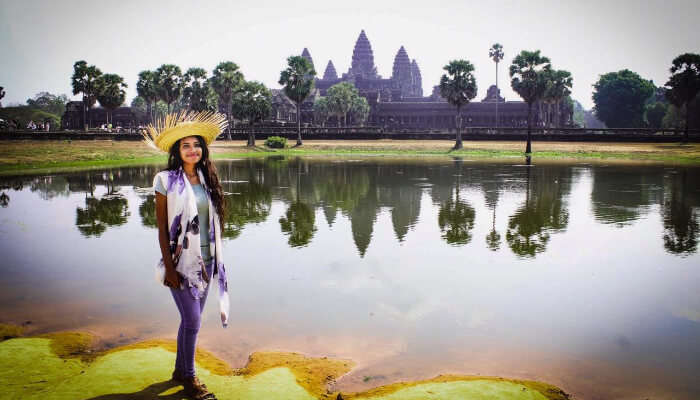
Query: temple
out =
(397, 103)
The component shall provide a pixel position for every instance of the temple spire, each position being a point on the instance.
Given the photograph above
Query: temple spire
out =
(362, 64)
(417, 79)
(306, 54)
(401, 73)
(330, 73)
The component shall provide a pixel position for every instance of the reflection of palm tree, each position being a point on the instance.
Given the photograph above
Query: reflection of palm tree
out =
(681, 226)
(456, 219)
(543, 213)
(250, 204)
(147, 211)
(493, 239)
(298, 222)
(97, 215)
(4, 200)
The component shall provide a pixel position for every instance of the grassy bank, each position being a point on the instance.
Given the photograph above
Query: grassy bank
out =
(26, 156)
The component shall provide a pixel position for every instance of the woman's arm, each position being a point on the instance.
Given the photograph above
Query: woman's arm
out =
(172, 278)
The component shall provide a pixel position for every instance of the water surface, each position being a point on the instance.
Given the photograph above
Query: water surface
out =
(585, 276)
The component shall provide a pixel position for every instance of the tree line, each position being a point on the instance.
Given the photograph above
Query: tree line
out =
(623, 99)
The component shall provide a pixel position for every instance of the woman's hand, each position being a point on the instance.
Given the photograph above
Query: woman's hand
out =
(172, 278)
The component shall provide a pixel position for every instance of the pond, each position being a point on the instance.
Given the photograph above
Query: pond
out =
(585, 276)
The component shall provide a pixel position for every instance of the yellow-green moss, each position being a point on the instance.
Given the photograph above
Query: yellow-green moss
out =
(481, 384)
(63, 366)
(72, 345)
(9, 331)
(313, 374)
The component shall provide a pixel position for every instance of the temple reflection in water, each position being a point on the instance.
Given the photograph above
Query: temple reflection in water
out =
(457, 193)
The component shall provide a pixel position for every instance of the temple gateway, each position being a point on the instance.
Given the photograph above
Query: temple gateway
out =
(398, 102)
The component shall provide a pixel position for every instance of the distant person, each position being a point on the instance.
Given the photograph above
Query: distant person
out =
(47, 126)
(189, 213)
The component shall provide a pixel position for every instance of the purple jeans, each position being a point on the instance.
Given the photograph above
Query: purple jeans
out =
(190, 309)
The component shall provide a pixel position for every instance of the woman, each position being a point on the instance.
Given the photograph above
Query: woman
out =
(189, 212)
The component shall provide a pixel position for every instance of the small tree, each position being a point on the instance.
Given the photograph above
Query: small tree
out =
(321, 111)
(169, 84)
(147, 88)
(528, 79)
(298, 82)
(340, 99)
(359, 109)
(655, 114)
(458, 87)
(139, 104)
(254, 103)
(226, 80)
(684, 84)
(112, 93)
(54, 104)
(83, 81)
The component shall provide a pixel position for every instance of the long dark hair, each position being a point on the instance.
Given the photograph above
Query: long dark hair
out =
(211, 178)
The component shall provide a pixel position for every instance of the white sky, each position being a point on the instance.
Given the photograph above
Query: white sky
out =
(40, 40)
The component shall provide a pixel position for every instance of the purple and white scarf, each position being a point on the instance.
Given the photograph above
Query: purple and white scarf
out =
(183, 231)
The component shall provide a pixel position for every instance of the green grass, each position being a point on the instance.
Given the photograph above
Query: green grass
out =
(36, 157)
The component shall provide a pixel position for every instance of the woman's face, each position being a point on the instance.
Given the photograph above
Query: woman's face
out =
(190, 150)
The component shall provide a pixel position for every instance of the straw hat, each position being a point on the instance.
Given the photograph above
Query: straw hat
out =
(176, 126)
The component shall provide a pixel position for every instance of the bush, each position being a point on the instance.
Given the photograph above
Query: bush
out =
(276, 142)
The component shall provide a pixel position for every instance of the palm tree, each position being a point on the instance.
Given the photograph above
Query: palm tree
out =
(169, 78)
(340, 100)
(83, 81)
(147, 88)
(253, 102)
(458, 86)
(226, 80)
(112, 93)
(684, 84)
(559, 86)
(196, 89)
(496, 54)
(298, 81)
(528, 79)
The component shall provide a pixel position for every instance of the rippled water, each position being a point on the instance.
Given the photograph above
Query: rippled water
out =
(585, 276)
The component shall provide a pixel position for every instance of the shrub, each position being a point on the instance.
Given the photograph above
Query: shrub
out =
(276, 142)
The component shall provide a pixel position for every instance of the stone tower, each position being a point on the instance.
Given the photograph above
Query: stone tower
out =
(330, 73)
(307, 55)
(363, 59)
(417, 80)
(402, 73)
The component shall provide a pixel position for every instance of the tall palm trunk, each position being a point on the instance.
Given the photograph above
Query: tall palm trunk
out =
(458, 143)
(687, 119)
(251, 136)
(230, 122)
(528, 147)
(85, 124)
(299, 124)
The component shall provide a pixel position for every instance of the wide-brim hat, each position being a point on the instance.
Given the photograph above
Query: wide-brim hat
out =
(174, 126)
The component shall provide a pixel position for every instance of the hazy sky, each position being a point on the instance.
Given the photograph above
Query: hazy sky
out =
(40, 40)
